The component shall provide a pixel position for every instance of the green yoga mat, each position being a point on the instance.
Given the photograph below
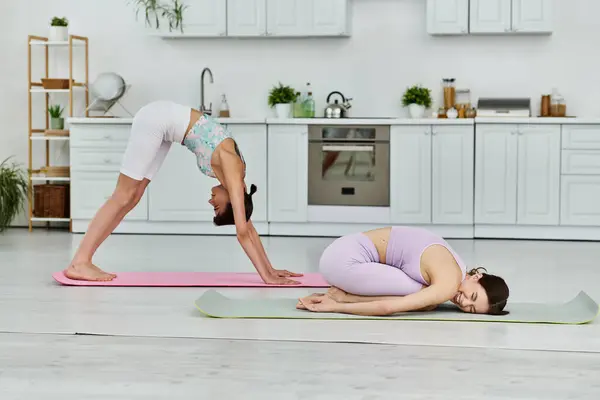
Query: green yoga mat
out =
(580, 310)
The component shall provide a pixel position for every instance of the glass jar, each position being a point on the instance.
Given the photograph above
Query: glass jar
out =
(558, 108)
(449, 93)
(463, 102)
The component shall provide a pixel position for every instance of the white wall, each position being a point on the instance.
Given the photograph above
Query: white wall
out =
(388, 51)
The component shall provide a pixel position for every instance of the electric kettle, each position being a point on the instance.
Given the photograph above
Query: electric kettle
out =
(337, 110)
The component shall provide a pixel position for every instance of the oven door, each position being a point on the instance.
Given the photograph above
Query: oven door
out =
(349, 170)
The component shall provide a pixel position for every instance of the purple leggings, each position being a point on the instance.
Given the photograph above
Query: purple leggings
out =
(351, 263)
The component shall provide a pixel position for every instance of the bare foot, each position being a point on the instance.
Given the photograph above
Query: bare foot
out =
(337, 294)
(87, 272)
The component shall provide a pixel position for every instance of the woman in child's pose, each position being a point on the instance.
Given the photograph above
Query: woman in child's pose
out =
(155, 127)
(391, 270)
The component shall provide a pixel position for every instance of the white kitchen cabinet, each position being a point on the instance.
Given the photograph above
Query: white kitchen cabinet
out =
(431, 174)
(538, 189)
(510, 16)
(580, 200)
(452, 174)
(246, 17)
(447, 17)
(287, 173)
(308, 18)
(532, 16)
(490, 16)
(179, 191)
(517, 174)
(252, 142)
(496, 174)
(203, 18)
(91, 189)
(410, 174)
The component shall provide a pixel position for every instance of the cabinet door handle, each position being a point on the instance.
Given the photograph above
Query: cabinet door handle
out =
(433, 132)
(426, 132)
(106, 160)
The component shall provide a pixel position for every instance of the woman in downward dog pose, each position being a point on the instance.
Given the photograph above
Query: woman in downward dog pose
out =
(155, 127)
(399, 269)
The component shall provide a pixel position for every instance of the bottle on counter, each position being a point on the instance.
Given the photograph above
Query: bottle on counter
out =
(298, 106)
(309, 103)
(224, 110)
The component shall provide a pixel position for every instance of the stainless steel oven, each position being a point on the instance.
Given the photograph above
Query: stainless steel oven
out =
(349, 165)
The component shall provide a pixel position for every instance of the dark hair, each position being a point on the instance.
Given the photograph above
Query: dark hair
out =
(496, 290)
(226, 217)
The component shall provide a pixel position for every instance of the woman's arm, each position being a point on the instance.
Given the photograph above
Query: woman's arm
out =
(263, 253)
(423, 300)
(249, 241)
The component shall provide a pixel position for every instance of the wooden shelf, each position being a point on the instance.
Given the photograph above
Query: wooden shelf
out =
(50, 179)
(52, 138)
(36, 219)
(49, 43)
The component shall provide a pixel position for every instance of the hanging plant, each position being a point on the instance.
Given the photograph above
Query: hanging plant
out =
(174, 14)
(153, 10)
(13, 191)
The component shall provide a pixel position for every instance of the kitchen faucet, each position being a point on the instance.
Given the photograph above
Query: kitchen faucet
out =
(203, 108)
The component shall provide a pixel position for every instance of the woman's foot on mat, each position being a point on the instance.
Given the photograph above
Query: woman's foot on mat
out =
(87, 272)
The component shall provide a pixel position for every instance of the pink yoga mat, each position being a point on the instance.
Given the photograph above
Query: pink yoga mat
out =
(192, 279)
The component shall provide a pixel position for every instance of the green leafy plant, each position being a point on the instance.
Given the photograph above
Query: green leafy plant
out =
(417, 95)
(151, 8)
(282, 95)
(55, 111)
(13, 191)
(174, 15)
(153, 11)
(56, 21)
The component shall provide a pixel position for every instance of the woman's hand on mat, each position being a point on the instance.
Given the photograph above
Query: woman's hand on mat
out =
(319, 304)
(283, 273)
(279, 280)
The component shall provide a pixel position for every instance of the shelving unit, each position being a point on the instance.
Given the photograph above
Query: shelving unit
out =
(47, 135)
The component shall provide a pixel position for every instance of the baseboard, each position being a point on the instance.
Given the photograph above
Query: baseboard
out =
(538, 232)
(172, 228)
(338, 229)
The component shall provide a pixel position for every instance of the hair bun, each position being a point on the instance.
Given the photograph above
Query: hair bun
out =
(253, 189)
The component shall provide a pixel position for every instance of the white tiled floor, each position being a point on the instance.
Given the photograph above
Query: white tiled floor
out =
(273, 357)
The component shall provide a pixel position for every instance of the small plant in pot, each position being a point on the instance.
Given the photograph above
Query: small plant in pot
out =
(417, 99)
(57, 122)
(13, 191)
(59, 30)
(281, 97)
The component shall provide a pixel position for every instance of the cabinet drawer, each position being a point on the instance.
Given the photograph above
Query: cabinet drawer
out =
(581, 162)
(89, 191)
(581, 137)
(92, 159)
(580, 200)
(100, 136)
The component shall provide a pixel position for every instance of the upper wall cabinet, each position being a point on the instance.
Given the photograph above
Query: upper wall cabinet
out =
(447, 17)
(203, 18)
(511, 16)
(256, 18)
(461, 17)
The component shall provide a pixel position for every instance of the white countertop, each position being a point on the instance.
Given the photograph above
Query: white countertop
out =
(536, 120)
(119, 120)
(367, 121)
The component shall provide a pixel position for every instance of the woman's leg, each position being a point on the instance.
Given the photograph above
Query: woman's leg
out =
(143, 157)
(349, 264)
(125, 197)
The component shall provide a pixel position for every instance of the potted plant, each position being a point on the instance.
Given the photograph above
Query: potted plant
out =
(281, 97)
(174, 15)
(417, 99)
(59, 30)
(13, 191)
(57, 122)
